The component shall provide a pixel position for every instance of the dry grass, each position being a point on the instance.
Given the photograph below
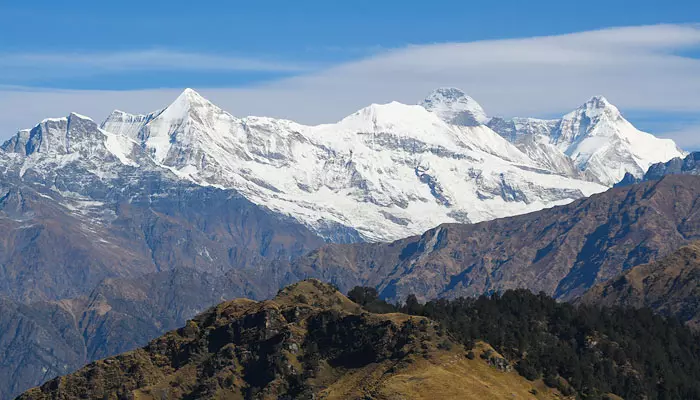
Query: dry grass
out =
(440, 375)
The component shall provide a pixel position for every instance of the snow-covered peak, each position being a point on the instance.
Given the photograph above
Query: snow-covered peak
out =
(59, 136)
(595, 137)
(75, 115)
(599, 139)
(596, 108)
(56, 142)
(453, 106)
(190, 105)
(596, 117)
(403, 123)
(188, 123)
(188, 100)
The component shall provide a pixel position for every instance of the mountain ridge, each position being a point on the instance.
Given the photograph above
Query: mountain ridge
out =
(561, 251)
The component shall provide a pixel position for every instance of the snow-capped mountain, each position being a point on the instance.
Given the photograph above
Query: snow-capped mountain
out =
(79, 204)
(385, 172)
(594, 139)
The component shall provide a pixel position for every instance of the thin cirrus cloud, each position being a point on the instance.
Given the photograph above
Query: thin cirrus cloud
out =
(27, 65)
(646, 68)
(687, 137)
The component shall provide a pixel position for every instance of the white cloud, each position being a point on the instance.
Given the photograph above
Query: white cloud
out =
(80, 63)
(637, 68)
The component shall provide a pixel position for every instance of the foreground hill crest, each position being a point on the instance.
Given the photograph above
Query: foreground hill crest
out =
(310, 341)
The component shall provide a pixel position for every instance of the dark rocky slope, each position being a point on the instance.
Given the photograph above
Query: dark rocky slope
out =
(670, 287)
(37, 342)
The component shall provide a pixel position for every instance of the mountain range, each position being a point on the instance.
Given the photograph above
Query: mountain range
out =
(127, 228)
(385, 172)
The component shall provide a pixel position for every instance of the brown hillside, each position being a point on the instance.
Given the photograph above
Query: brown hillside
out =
(670, 286)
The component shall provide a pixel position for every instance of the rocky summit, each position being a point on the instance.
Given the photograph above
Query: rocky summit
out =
(308, 342)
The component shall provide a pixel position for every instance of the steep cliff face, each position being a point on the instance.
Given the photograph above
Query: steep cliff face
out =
(308, 342)
(562, 251)
(669, 286)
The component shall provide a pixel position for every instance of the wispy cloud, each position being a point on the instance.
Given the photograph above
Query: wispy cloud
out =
(637, 68)
(687, 137)
(25, 65)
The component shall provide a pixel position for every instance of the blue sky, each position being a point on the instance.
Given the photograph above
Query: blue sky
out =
(259, 49)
